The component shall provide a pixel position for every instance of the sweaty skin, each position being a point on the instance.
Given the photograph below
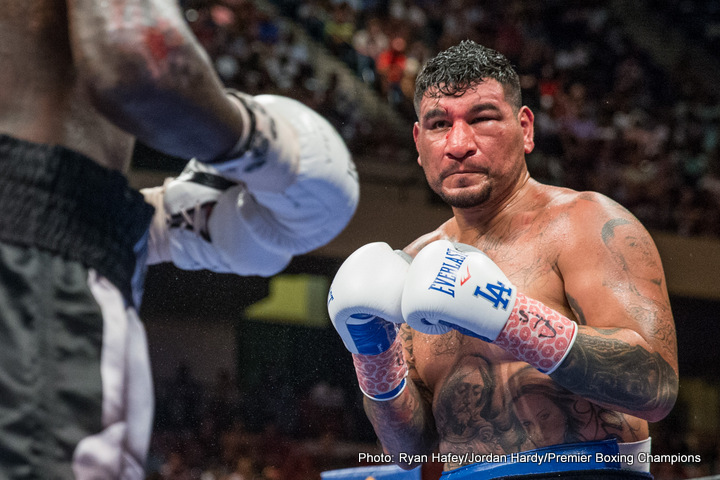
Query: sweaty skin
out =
(41, 99)
(93, 75)
(579, 253)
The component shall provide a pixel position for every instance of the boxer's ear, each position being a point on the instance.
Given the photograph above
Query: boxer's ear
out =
(416, 132)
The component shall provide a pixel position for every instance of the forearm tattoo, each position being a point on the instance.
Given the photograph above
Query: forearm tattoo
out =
(611, 371)
(404, 424)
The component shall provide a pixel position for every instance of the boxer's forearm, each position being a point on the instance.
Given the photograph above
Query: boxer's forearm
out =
(404, 425)
(146, 72)
(616, 368)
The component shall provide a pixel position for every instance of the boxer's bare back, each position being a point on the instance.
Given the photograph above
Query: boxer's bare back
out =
(41, 97)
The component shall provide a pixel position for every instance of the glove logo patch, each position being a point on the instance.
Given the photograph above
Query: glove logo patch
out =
(447, 276)
(466, 277)
(495, 294)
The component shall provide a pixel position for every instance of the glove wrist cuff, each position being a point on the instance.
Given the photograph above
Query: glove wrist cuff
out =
(382, 377)
(249, 125)
(267, 156)
(537, 334)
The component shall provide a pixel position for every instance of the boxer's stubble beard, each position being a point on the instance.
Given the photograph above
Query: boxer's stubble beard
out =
(467, 197)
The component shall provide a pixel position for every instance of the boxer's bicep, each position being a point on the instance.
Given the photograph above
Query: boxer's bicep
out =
(614, 278)
(143, 68)
(115, 39)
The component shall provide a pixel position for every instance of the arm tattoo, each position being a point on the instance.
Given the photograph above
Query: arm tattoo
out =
(614, 372)
(407, 339)
(405, 424)
(635, 254)
(633, 251)
(406, 333)
(154, 29)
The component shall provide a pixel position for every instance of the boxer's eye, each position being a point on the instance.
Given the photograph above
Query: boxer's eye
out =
(483, 119)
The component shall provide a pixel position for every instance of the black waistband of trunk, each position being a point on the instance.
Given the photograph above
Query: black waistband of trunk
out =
(58, 200)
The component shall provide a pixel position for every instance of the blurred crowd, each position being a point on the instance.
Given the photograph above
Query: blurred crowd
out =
(699, 19)
(277, 431)
(608, 118)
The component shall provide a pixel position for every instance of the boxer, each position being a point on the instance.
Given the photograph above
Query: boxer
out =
(534, 321)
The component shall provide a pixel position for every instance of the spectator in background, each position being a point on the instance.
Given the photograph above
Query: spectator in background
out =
(391, 70)
(339, 31)
(369, 43)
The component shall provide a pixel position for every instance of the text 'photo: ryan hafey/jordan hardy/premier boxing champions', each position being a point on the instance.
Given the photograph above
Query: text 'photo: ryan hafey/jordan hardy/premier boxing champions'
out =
(184, 221)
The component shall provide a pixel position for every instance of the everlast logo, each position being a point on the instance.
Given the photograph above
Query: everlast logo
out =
(445, 280)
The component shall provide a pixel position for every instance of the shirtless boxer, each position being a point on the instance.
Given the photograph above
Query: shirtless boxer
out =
(536, 317)
(80, 80)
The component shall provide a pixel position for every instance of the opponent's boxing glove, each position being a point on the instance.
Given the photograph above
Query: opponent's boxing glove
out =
(456, 286)
(201, 222)
(266, 157)
(364, 306)
(253, 221)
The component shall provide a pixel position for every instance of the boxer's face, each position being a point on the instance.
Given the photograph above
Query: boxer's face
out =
(472, 147)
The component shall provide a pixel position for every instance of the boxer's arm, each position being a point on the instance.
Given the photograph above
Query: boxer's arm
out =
(146, 72)
(625, 353)
(406, 423)
(364, 307)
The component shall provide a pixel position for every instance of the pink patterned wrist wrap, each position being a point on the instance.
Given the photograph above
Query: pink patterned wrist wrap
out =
(382, 377)
(537, 334)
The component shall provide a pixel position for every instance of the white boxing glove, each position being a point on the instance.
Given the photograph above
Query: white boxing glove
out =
(364, 304)
(365, 297)
(267, 157)
(253, 223)
(457, 286)
(199, 224)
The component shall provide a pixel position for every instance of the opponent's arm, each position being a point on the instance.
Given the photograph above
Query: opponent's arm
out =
(146, 72)
(623, 358)
(364, 306)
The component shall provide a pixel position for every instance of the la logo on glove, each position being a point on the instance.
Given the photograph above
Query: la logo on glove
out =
(495, 294)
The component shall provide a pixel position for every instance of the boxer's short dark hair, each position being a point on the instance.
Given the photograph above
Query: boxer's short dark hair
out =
(463, 66)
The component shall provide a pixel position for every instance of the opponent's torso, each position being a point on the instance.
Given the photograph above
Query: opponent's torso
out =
(40, 98)
(485, 401)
